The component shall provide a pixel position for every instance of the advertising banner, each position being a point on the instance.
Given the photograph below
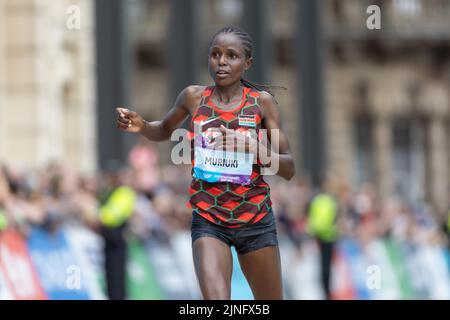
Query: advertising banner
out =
(141, 278)
(398, 262)
(182, 248)
(240, 289)
(5, 293)
(301, 270)
(358, 266)
(61, 275)
(342, 286)
(87, 248)
(381, 269)
(165, 264)
(17, 270)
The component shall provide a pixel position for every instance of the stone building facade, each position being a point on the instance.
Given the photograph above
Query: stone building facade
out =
(388, 98)
(47, 83)
(386, 92)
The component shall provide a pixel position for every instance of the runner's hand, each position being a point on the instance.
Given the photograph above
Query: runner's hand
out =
(232, 140)
(129, 121)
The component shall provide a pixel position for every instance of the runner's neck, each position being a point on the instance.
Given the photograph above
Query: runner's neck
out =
(231, 105)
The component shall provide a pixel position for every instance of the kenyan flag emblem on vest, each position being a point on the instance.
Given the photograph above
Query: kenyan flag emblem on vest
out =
(247, 120)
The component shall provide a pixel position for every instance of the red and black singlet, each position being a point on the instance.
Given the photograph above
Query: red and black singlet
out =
(224, 203)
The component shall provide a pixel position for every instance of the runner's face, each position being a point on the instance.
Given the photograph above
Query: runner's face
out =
(227, 61)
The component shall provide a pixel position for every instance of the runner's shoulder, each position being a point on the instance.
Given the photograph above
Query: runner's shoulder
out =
(191, 96)
(267, 103)
(266, 98)
(193, 92)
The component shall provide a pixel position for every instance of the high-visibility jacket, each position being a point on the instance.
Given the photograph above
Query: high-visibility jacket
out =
(322, 217)
(3, 221)
(119, 207)
(448, 221)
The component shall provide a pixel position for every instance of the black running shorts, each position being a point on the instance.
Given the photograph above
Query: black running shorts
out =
(245, 239)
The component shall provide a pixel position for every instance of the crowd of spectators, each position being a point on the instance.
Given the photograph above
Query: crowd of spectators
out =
(56, 194)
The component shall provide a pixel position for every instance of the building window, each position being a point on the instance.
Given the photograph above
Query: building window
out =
(228, 9)
(410, 8)
(448, 160)
(409, 161)
(363, 142)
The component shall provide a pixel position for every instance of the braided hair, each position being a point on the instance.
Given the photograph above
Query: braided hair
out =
(247, 43)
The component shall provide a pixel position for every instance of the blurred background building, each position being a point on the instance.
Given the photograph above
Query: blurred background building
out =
(387, 94)
(363, 107)
(47, 88)
(381, 108)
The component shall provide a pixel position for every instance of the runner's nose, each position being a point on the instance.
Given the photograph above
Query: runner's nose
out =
(222, 60)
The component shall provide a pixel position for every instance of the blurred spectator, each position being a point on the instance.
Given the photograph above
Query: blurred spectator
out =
(154, 210)
(4, 194)
(117, 206)
(143, 158)
(322, 224)
(290, 205)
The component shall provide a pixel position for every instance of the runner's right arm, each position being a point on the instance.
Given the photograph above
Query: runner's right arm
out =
(131, 121)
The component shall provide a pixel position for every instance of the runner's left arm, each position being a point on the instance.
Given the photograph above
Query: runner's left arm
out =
(279, 149)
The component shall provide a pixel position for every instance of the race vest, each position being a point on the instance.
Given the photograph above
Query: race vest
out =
(227, 187)
(221, 166)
